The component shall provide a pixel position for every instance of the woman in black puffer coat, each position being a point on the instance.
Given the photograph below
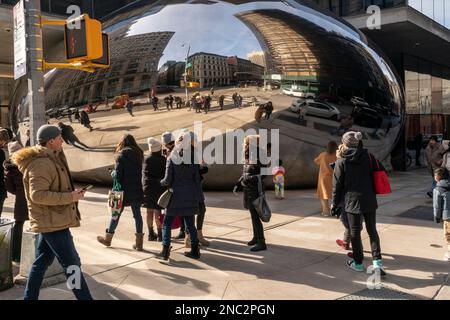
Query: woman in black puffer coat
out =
(14, 185)
(249, 183)
(153, 172)
(128, 172)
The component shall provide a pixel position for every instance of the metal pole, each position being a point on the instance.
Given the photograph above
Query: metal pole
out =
(35, 56)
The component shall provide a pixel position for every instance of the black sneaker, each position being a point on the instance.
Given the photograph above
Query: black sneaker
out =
(430, 194)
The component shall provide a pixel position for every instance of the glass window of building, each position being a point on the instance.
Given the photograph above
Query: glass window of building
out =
(436, 89)
(425, 86)
(446, 90)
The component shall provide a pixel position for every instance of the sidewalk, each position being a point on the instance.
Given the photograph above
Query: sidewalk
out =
(302, 260)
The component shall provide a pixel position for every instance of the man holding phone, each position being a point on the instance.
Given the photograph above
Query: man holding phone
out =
(53, 208)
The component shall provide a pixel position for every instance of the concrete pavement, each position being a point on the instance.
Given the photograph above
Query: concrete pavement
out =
(302, 260)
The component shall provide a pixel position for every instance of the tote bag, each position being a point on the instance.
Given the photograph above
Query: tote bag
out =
(380, 178)
(260, 203)
(115, 200)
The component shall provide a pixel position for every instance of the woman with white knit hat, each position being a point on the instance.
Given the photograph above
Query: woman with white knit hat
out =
(153, 172)
(354, 187)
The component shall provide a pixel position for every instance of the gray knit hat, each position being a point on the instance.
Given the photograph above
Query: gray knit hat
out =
(167, 138)
(154, 145)
(351, 139)
(47, 132)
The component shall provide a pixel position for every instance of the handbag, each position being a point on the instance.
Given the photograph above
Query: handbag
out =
(380, 178)
(176, 223)
(260, 203)
(115, 200)
(164, 199)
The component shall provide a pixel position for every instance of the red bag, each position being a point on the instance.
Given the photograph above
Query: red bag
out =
(176, 223)
(380, 178)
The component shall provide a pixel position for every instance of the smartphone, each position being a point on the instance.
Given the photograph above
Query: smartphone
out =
(87, 187)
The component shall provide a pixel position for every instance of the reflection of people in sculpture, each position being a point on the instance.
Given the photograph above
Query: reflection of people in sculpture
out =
(129, 106)
(269, 109)
(259, 112)
(221, 101)
(346, 124)
(70, 138)
(85, 121)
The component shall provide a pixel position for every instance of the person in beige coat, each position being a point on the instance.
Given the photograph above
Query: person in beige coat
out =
(325, 182)
(52, 204)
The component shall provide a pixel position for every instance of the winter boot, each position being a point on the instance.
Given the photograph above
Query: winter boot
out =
(194, 253)
(159, 238)
(260, 246)
(201, 239)
(106, 240)
(139, 242)
(152, 235)
(252, 242)
(165, 253)
(187, 241)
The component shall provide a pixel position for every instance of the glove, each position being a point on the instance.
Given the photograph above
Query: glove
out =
(437, 220)
(336, 212)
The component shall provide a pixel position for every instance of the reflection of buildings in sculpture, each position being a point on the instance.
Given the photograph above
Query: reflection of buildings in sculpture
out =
(298, 51)
(214, 70)
(171, 73)
(134, 68)
(257, 57)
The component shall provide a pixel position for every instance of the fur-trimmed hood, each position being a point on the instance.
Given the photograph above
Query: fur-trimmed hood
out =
(24, 157)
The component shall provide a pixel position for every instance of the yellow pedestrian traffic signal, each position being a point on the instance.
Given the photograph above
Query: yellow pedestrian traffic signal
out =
(104, 61)
(83, 39)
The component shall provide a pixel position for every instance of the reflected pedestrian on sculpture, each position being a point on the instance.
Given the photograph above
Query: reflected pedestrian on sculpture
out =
(184, 181)
(53, 208)
(153, 172)
(269, 110)
(85, 121)
(155, 103)
(325, 180)
(14, 185)
(69, 137)
(128, 173)
(129, 105)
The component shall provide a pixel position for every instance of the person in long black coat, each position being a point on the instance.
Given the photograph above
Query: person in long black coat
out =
(249, 183)
(128, 172)
(14, 185)
(152, 173)
(4, 139)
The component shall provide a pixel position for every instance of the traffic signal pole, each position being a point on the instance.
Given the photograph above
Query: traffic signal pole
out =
(35, 58)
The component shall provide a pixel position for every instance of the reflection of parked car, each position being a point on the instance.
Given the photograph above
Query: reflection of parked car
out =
(367, 117)
(52, 113)
(358, 101)
(316, 109)
(298, 93)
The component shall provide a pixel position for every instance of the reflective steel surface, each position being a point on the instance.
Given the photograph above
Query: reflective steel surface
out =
(322, 76)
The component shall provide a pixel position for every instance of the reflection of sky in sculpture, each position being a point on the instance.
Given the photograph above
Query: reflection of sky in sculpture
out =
(224, 33)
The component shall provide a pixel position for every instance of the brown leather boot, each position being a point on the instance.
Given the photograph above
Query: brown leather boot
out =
(201, 239)
(187, 241)
(139, 242)
(106, 240)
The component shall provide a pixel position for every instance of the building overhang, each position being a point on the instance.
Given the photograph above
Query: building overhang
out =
(407, 31)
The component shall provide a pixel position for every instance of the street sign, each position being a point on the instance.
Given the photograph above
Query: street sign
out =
(20, 41)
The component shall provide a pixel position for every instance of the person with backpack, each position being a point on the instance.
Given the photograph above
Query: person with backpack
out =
(129, 105)
(353, 185)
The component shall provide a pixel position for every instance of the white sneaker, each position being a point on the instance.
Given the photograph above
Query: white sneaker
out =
(447, 256)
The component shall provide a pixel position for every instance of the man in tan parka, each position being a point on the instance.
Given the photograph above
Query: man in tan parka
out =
(52, 203)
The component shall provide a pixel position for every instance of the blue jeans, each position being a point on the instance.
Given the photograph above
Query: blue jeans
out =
(136, 209)
(433, 185)
(189, 224)
(57, 244)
